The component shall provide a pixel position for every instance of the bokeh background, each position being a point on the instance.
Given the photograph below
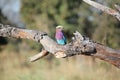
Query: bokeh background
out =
(45, 15)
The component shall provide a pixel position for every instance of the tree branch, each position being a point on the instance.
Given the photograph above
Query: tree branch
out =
(79, 45)
(117, 6)
(107, 54)
(38, 56)
(105, 9)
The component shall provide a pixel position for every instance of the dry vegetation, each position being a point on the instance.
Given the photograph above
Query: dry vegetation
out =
(14, 66)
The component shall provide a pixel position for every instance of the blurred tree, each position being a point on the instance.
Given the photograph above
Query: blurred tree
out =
(73, 15)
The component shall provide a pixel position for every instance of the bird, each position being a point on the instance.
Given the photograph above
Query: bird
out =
(59, 35)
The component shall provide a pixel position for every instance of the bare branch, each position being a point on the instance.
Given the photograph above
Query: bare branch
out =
(38, 56)
(117, 6)
(104, 8)
(107, 54)
(79, 45)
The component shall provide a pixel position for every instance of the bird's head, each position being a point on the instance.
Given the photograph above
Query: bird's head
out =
(59, 28)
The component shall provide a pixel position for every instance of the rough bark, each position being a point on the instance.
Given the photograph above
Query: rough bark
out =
(105, 9)
(79, 45)
(107, 54)
(103, 52)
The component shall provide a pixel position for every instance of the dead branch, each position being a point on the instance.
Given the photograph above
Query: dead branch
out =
(107, 54)
(39, 55)
(117, 6)
(105, 9)
(79, 45)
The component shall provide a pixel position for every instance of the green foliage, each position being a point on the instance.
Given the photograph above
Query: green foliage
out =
(73, 15)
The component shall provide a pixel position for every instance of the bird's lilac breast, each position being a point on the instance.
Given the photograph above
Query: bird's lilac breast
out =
(59, 35)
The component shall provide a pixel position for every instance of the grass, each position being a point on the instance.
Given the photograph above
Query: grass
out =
(14, 66)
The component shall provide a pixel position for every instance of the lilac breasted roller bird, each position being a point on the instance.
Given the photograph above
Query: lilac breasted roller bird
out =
(59, 35)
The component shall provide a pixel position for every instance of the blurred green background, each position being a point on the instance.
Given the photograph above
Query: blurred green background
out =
(74, 15)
